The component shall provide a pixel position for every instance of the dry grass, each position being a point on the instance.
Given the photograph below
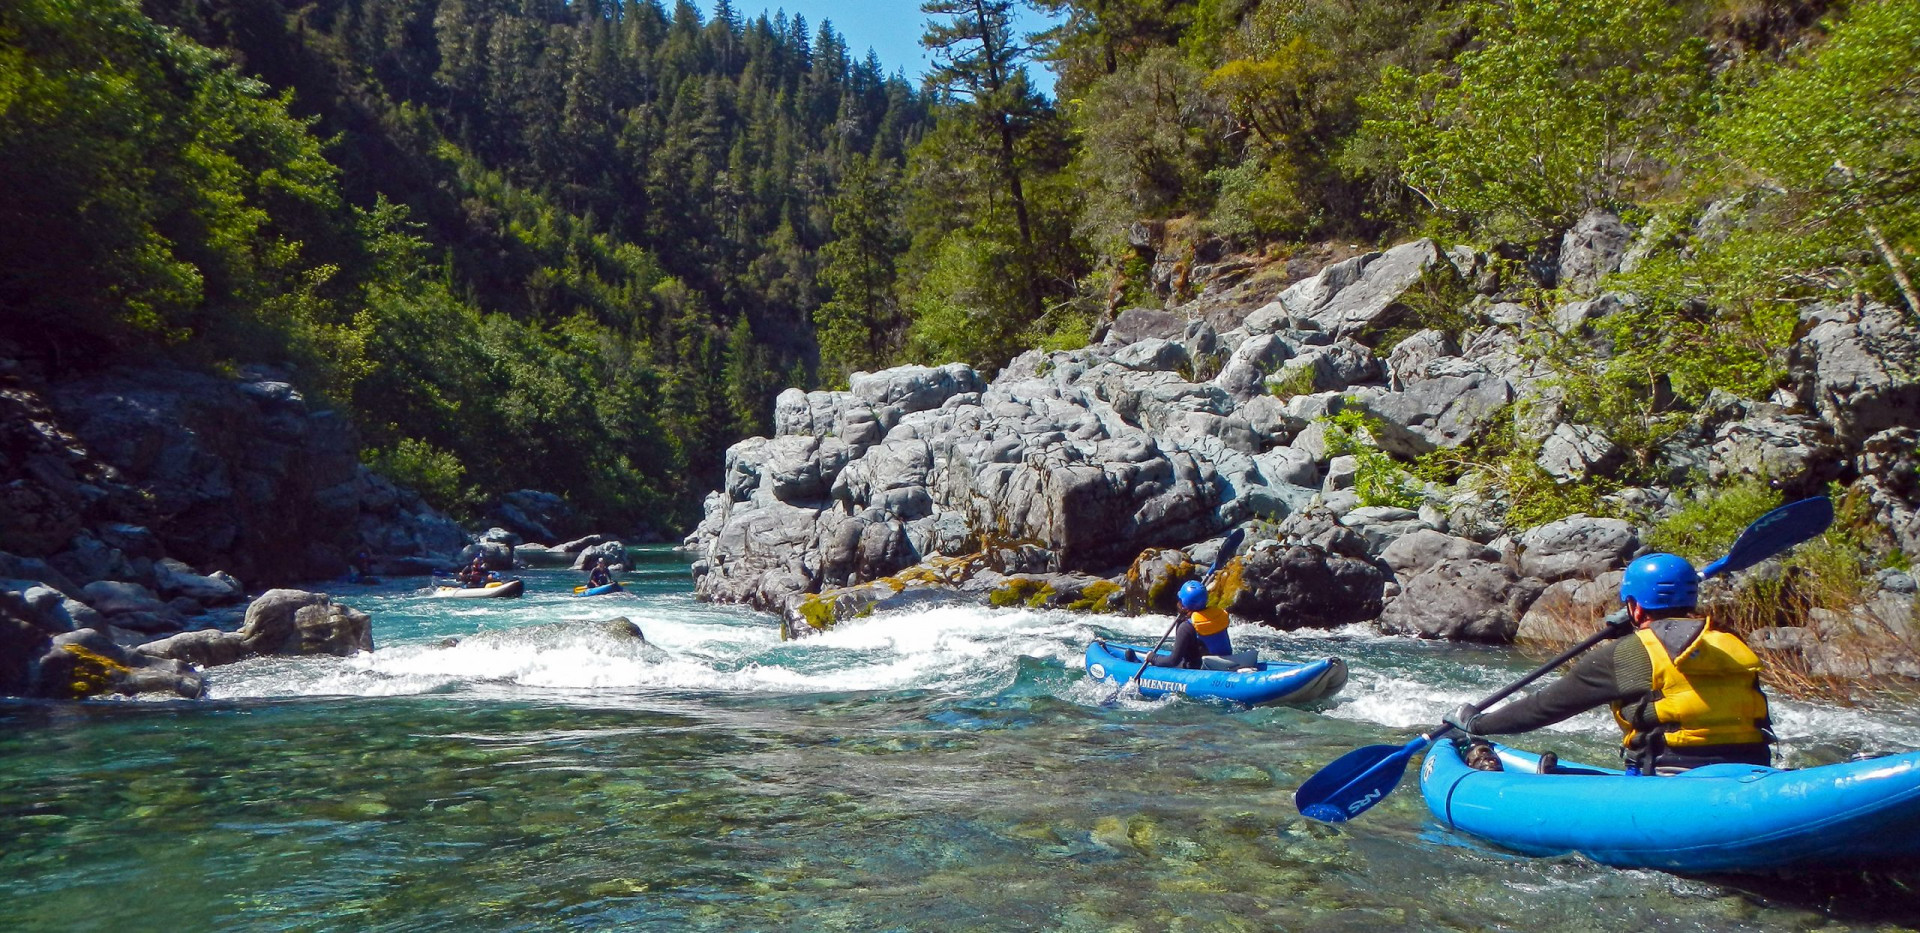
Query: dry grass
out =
(1807, 622)
(1811, 616)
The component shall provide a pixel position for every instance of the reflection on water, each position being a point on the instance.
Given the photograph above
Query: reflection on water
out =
(950, 770)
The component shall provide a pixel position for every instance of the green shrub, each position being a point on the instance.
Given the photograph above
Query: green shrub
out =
(1705, 527)
(1292, 381)
(437, 475)
(1378, 479)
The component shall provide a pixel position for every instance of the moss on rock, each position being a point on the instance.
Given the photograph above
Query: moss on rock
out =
(1026, 591)
(1101, 597)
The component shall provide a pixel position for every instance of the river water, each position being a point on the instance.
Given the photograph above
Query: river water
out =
(509, 765)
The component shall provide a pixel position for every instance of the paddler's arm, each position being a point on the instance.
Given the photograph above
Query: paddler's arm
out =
(1618, 670)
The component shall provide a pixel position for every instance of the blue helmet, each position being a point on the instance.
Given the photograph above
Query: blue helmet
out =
(1661, 581)
(1193, 596)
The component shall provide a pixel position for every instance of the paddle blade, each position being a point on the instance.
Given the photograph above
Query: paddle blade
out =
(1228, 548)
(1773, 533)
(1354, 782)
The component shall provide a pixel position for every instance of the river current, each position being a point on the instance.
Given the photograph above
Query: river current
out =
(510, 765)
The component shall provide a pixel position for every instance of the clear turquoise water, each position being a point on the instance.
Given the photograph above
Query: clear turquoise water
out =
(948, 770)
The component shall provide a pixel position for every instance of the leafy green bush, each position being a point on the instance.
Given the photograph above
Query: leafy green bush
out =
(1556, 107)
(1292, 381)
(1707, 525)
(1829, 140)
(435, 474)
(1499, 464)
(1378, 479)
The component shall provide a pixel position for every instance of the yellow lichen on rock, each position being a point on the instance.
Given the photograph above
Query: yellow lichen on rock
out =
(1227, 584)
(816, 612)
(1021, 590)
(92, 673)
(1099, 597)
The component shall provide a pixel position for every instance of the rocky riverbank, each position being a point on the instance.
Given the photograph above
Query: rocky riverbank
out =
(1092, 478)
(151, 518)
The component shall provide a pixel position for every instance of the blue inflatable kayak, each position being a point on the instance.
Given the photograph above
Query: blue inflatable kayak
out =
(1711, 820)
(597, 590)
(1243, 680)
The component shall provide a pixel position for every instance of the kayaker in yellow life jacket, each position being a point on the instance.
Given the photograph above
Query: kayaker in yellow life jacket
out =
(1684, 693)
(1202, 631)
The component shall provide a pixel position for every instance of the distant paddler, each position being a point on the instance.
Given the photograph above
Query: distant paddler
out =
(599, 581)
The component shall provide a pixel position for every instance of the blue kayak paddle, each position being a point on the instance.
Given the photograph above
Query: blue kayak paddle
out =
(1227, 550)
(1354, 782)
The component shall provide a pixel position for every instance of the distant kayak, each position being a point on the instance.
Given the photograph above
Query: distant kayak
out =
(1715, 819)
(598, 590)
(497, 589)
(1252, 683)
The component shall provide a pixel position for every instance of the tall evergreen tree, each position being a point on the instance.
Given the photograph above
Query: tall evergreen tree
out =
(977, 60)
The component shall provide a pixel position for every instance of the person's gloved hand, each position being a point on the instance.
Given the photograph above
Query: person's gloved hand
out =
(1618, 622)
(1462, 718)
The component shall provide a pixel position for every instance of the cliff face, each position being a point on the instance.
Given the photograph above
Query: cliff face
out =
(1238, 407)
(234, 474)
(145, 496)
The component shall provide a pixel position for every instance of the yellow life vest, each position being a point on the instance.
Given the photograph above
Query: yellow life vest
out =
(1708, 695)
(1209, 621)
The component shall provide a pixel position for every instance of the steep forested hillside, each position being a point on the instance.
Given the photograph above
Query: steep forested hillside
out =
(578, 245)
(571, 246)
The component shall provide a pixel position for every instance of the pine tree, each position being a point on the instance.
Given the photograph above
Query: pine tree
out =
(858, 327)
(978, 61)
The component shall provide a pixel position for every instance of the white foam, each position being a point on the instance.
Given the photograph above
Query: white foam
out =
(559, 649)
(947, 648)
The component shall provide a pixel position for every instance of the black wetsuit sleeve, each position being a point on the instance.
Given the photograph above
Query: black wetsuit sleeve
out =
(1594, 681)
(1186, 650)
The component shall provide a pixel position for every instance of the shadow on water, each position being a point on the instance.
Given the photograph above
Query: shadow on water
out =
(1851, 897)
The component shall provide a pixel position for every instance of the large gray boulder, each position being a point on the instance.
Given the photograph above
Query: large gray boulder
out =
(1861, 372)
(1575, 317)
(915, 388)
(1889, 467)
(296, 622)
(227, 471)
(613, 552)
(175, 578)
(1577, 547)
(1245, 373)
(758, 556)
(1291, 587)
(1592, 250)
(1136, 324)
(1450, 406)
(1345, 304)
(493, 555)
(1407, 362)
(1382, 525)
(1421, 550)
(1574, 452)
(1153, 354)
(1792, 450)
(114, 598)
(14, 567)
(1330, 367)
(1569, 609)
(1461, 599)
(202, 648)
(86, 663)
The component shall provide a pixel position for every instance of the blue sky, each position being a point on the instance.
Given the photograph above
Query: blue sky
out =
(890, 27)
